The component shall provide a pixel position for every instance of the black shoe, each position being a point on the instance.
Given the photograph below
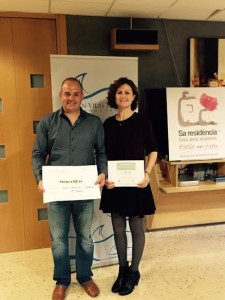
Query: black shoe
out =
(120, 279)
(129, 283)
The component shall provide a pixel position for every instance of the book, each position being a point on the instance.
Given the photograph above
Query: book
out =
(187, 180)
(217, 177)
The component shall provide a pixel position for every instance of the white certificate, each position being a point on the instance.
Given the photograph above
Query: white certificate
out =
(65, 183)
(126, 172)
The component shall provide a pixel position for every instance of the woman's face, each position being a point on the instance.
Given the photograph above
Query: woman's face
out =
(124, 96)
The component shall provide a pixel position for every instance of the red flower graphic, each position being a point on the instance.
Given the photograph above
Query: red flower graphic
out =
(210, 103)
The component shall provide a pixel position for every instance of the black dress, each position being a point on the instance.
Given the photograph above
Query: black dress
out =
(130, 139)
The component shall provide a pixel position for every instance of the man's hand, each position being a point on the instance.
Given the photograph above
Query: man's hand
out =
(40, 187)
(101, 180)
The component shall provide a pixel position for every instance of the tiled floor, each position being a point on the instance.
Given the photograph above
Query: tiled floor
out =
(177, 264)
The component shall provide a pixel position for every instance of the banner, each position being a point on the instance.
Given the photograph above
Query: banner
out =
(95, 73)
(196, 123)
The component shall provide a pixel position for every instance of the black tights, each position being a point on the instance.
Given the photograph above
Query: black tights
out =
(138, 239)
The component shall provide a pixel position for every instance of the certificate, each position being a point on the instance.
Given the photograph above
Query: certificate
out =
(126, 172)
(65, 183)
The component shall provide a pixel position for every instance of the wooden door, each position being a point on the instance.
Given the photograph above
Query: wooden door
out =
(25, 97)
(32, 70)
(11, 206)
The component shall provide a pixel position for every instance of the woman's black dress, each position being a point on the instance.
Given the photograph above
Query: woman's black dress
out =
(130, 139)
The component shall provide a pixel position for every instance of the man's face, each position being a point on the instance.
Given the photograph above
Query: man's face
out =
(71, 96)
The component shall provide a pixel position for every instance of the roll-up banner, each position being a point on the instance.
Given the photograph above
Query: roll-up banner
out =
(95, 73)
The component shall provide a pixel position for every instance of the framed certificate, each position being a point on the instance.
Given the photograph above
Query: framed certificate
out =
(67, 183)
(125, 173)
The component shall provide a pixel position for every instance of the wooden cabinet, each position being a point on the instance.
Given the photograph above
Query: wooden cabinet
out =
(187, 205)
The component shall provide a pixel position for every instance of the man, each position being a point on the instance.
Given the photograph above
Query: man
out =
(70, 137)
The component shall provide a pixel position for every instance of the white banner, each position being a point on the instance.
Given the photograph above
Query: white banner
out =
(95, 73)
(196, 123)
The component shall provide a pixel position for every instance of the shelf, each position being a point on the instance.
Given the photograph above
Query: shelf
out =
(135, 47)
(207, 185)
(190, 162)
(170, 185)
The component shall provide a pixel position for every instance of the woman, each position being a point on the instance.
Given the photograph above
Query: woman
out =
(128, 136)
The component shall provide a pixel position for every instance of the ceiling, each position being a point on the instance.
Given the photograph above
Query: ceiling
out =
(207, 10)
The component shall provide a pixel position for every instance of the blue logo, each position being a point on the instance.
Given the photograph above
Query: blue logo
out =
(81, 77)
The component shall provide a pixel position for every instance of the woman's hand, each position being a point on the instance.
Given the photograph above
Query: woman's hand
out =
(144, 182)
(109, 184)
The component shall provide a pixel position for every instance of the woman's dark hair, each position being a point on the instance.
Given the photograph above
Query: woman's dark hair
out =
(114, 87)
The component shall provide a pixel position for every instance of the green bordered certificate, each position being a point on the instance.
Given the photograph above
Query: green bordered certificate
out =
(126, 173)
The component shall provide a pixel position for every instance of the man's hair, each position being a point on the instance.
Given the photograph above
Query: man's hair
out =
(73, 79)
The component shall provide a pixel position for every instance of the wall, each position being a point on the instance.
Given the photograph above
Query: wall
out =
(166, 67)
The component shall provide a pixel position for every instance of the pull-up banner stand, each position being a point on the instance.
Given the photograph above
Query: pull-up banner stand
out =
(95, 73)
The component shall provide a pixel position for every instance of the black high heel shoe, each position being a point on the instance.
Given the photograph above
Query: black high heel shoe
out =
(120, 279)
(132, 279)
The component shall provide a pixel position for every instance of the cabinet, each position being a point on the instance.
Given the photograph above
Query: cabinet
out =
(171, 170)
(187, 205)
